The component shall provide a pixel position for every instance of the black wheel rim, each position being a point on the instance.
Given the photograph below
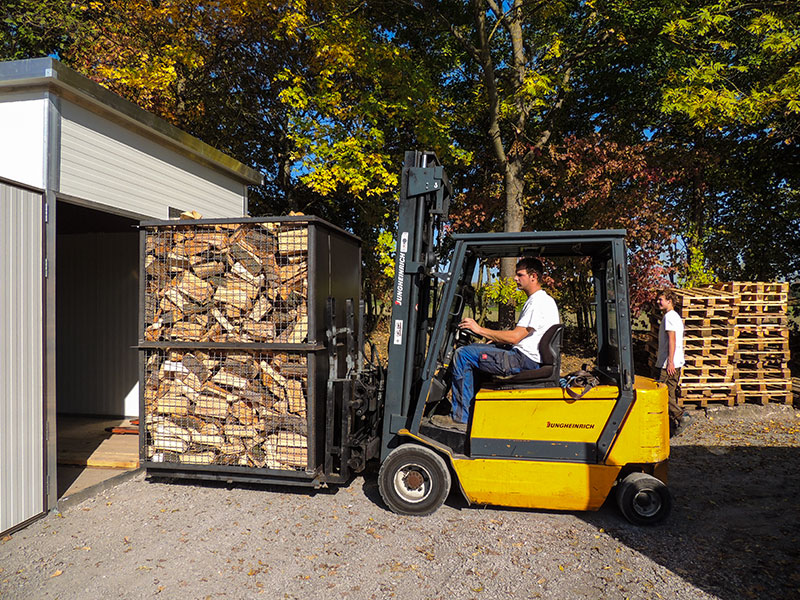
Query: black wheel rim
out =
(647, 503)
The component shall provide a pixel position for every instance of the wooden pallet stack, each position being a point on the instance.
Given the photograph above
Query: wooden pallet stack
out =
(214, 288)
(761, 343)
(709, 319)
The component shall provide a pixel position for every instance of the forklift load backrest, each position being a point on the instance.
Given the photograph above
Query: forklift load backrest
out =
(547, 374)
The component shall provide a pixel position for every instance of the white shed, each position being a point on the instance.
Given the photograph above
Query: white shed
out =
(79, 167)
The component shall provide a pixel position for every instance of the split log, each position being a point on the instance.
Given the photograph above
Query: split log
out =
(205, 270)
(190, 332)
(233, 430)
(168, 428)
(198, 458)
(294, 396)
(260, 332)
(195, 288)
(293, 241)
(289, 448)
(173, 405)
(163, 442)
(210, 406)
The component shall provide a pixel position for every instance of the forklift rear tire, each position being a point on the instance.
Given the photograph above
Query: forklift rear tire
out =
(643, 499)
(414, 480)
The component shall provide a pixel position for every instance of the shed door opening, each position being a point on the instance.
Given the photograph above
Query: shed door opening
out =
(97, 262)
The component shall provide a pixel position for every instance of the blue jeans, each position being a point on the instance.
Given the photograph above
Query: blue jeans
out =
(487, 359)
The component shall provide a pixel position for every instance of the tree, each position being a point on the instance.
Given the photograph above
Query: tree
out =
(735, 99)
(206, 67)
(592, 183)
(35, 28)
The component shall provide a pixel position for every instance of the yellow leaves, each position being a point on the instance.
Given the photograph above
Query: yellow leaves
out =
(536, 89)
(57, 573)
(294, 20)
(399, 567)
(351, 164)
(750, 86)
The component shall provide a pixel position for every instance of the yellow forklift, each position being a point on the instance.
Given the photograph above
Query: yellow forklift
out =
(530, 441)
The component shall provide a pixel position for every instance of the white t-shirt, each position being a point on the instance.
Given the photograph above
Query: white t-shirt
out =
(539, 313)
(671, 322)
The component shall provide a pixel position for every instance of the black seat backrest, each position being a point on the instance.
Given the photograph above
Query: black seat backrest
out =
(548, 374)
(550, 345)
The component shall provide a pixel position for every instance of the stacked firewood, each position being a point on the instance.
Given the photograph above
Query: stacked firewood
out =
(211, 283)
(243, 282)
(226, 407)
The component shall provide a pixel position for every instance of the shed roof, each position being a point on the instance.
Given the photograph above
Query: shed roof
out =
(48, 73)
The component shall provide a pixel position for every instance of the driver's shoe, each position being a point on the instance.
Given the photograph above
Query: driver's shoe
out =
(447, 422)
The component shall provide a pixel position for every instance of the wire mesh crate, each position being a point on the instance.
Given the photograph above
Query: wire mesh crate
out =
(234, 366)
(244, 282)
(227, 407)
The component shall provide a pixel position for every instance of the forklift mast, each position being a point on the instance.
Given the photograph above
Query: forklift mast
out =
(423, 208)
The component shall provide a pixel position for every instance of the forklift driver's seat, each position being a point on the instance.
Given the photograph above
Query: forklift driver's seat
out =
(547, 375)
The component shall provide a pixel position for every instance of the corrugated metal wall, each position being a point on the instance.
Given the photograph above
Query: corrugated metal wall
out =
(97, 319)
(21, 357)
(111, 165)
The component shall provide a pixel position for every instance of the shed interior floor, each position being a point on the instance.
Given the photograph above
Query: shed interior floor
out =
(88, 453)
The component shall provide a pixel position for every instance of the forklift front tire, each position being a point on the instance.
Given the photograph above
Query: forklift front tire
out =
(414, 480)
(643, 499)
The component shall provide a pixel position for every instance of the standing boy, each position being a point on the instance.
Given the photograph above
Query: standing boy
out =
(670, 358)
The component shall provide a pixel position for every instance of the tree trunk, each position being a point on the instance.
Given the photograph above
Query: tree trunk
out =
(515, 214)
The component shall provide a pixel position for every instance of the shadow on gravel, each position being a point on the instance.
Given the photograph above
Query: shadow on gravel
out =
(735, 526)
(261, 487)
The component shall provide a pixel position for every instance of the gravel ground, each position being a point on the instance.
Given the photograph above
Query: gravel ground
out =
(734, 533)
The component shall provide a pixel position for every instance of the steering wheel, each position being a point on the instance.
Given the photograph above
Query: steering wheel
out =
(465, 336)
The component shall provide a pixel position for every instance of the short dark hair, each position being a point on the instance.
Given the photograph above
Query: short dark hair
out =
(531, 265)
(668, 294)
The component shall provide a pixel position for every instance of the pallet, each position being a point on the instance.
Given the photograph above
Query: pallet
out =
(745, 397)
(705, 296)
(703, 401)
(707, 337)
(771, 320)
(761, 361)
(752, 287)
(708, 390)
(713, 359)
(708, 321)
(710, 348)
(703, 373)
(747, 309)
(772, 345)
(762, 373)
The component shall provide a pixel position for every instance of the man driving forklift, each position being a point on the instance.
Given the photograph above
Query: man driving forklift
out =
(538, 314)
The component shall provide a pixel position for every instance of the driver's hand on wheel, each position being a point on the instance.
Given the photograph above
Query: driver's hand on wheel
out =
(470, 325)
